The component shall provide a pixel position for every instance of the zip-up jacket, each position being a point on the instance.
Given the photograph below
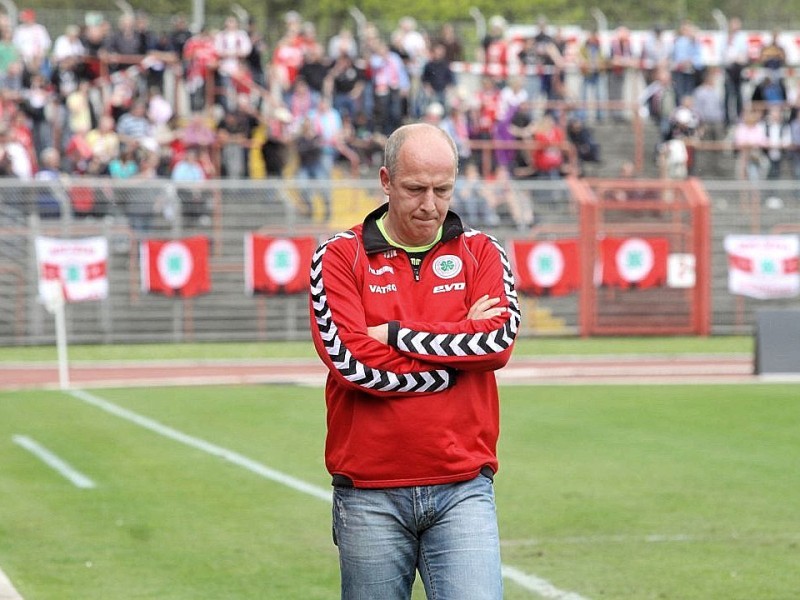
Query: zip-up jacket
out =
(422, 410)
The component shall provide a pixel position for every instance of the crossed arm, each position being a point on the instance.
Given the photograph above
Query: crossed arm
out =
(483, 308)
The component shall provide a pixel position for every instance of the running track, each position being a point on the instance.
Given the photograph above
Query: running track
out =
(523, 370)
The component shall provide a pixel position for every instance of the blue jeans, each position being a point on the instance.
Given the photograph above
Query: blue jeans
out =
(447, 532)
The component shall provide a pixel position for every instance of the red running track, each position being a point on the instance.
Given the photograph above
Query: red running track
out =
(523, 370)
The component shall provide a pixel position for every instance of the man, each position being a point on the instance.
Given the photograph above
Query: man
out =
(412, 313)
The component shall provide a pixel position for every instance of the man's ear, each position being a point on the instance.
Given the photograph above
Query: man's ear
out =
(384, 177)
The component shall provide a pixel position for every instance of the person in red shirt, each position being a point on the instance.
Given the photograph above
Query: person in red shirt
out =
(548, 155)
(412, 312)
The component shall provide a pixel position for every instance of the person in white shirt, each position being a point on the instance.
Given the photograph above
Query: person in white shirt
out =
(68, 45)
(31, 39)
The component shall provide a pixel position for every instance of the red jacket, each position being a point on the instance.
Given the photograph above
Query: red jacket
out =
(424, 409)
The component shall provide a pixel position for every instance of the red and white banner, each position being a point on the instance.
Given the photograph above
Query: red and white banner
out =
(763, 266)
(80, 265)
(175, 267)
(277, 265)
(634, 262)
(546, 268)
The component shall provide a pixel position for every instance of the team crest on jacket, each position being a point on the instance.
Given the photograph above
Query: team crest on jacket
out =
(447, 266)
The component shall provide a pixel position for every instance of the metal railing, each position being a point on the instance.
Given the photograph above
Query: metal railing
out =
(225, 211)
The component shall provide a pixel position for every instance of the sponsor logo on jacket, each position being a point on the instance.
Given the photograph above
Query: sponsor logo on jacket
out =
(382, 289)
(381, 270)
(449, 287)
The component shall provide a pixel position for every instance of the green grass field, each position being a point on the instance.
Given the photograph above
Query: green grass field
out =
(544, 346)
(615, 492)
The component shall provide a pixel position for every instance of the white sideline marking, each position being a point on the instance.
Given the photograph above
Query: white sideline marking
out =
(7, 590)
(78, 479)
(530, 582)
(538, 585)
(229, 455)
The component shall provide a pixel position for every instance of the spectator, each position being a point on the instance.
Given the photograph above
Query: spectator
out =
(587, 149)
(124, 46)
(346, 83)
(179, 34)
(770, 90)
(231, 44)
(548, 156)
(79, 110)
(315, 69)
(255, 60)
(48, 195)
(687, 65)
(391, 85)
(69, 45)
(779, 138)
(126, 164)
(36, 105)
(33, 42)
(17, 160)
(437, 78)
(750, 140)
(548, 59)
(189, 170)
(287, 58)
(593, 66)
(659, 100)
(308, 145)
(708, 105)
(656, 53)
(512, 96)
(134, 127)
(302, 100)
(494, 49)
(200, 56)
(620, 61)
(454, 50)
(342, 44)
(773, 55)
(9, 55)
(274, 151)
(456, 124)
(142, 202)
(234, 132)
(103, 141)
(734, 58)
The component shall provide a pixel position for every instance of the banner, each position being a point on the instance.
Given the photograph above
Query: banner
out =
(277, 265)
(175, 267)
(546, 268)
(634, 262)
(763, 266)
(80, 265)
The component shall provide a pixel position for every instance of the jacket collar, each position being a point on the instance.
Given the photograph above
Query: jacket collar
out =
(375, 242)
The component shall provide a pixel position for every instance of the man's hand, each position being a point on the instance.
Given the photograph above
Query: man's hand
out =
(484, 308)
(379, 332)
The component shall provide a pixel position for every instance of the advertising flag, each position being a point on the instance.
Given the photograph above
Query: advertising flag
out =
(80, 265)
(277, 265)
(175, 267)
(763, 266)
(546, 268)
(634, 262)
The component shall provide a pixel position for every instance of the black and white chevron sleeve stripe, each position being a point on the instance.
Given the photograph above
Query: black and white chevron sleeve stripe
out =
(348, 366)
(463, 344)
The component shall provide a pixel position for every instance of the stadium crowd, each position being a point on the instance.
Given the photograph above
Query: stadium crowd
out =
(128, 101)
